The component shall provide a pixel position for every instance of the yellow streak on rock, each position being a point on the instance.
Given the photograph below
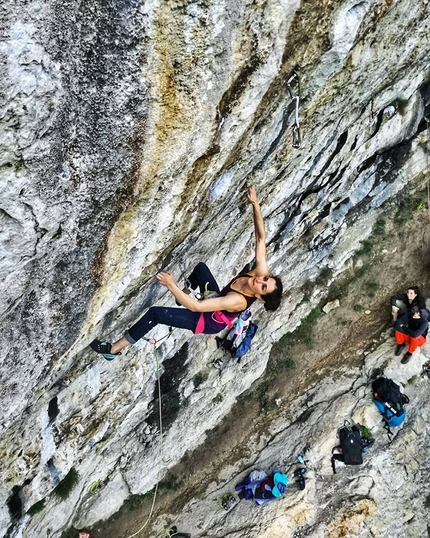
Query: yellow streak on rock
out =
(350, 521)
(169, 123)
(115, 264)
(289, 517)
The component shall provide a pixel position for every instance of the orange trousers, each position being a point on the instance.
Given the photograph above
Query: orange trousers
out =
(413, 342)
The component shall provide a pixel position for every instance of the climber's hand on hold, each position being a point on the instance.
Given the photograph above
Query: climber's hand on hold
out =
(252, 195)
(166, 279)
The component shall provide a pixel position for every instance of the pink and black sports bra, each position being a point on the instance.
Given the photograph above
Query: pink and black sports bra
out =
(248, 299)
(222, 318)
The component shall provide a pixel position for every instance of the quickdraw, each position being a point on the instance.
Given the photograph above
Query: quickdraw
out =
(154, 342)
(293, 84)
(372, 113)
(95, 486)
(208, 294)
(184, 275)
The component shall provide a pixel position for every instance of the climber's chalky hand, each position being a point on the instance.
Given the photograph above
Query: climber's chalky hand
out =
(166, 279)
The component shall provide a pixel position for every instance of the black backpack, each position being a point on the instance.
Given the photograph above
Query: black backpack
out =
(351, 446)
(390, 402)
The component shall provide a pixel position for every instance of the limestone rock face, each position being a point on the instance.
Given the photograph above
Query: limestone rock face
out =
(129, 132)
(385, 496)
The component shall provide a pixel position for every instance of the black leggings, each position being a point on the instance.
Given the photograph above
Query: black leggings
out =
(181, 318)
(203, 279)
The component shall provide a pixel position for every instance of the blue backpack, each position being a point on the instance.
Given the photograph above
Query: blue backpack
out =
(237, 344)
(390, 402)
(245, 346)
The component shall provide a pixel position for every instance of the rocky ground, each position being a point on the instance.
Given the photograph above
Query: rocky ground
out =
(324, 379)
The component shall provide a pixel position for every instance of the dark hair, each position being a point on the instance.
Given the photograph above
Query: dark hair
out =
(85, 530)
(273, 300)
(419, 299)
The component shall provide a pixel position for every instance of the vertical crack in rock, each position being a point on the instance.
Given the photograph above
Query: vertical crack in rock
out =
(53, 410)
(55, 476)
(377, 124)
(234, 92)
(284, 126)
(15, 504)
(341, 141)
(170, 396)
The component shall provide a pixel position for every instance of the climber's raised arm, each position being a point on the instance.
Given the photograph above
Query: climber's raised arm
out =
(261, 268)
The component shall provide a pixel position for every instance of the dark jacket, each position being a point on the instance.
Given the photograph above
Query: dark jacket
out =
(403, 297)
(411, 326)
(399, 297)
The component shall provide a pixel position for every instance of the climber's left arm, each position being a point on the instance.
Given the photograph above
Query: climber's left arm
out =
(261, 268)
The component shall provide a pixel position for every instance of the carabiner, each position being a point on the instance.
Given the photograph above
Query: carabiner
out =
(297, 139)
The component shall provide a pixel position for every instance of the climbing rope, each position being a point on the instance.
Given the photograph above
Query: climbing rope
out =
(293, 84)
(154, 342)
(427, 165)
(160, 419)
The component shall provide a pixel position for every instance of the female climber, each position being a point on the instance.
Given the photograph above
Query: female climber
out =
(211, 315)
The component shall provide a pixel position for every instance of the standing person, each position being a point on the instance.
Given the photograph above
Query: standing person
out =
(411, 329)
(211, 315)
(401, 303)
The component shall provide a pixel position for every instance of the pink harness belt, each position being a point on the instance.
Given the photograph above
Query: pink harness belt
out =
(217, 316)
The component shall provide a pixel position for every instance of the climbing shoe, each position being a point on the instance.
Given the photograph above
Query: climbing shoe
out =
(399, 348)
(100, 347)
(104, 348)
(231, 499)
(110, 356)
(406, 358)
(300, 476)
(226, 501)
